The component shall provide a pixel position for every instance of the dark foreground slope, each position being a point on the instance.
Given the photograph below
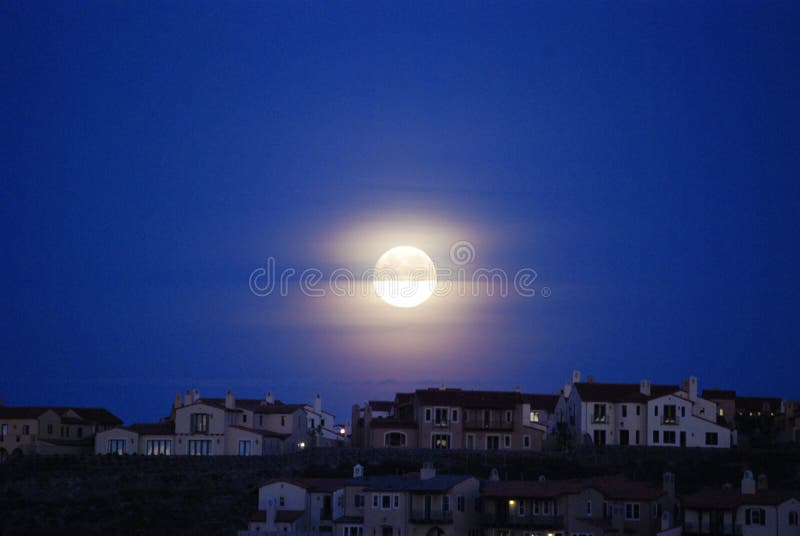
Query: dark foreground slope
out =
(216, 495)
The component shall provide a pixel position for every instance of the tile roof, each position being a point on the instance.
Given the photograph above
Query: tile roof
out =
(726, 499)
(612, 487)
(412, 484)
(381, 405)
(388, 422)
(481, 399)
(88, 415)
(262, 433)
(758, 403)
(152, 428)
(620, 392)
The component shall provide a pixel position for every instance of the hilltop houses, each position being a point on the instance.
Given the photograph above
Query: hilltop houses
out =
(442, 418)
(199, 426)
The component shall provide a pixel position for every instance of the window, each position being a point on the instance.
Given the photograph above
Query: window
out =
(546, 508)
(712, 438)
(492, 442)
(198, 447)
(396, 501)
(49, 428)
(589, 507)
(80, 431)
(427, 414)
(638, 410)
(655, 436)
(721, 412)
(521, 509)
(624, 410)
(509, 416)
(386, 502)
(460, 503)
(637, 437)
(631, 511)
(352, 530)
(526, 441)
(670, 414)
(283, 420)
(455, 415)
(470, 441)
(244, 417)
(358, 500)
(535, 416)
(793, 518)
(655, 411)
(245, 447)
(116, 446)
(155, 447)
(669, 437)
(26, 430)
(199, 423)
(375, 500)
(507, 441)
(261, 420)
(599, 437)
(683, 411)
(536, 507)
(440, 416)
(3, 431)
(394, 439)
(755, 516)
(599, 413)
(445, 503)
(440, 441)
(282, 501)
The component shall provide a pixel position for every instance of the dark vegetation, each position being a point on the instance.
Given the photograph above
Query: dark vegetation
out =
(216, 495)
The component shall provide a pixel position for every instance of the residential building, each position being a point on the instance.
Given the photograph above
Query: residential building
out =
(441, 418)
(642, 414)
(420, 504)
(299, 505)
(751, 510)
(200, 426)
(26, 430)
(594, 506)
(757, 419)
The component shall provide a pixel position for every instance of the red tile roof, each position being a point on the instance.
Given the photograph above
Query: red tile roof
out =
(88, 415)
(152, 428)
(620, 392)
(313, 485)
(482, 399)
(612, 487)
(719, 394)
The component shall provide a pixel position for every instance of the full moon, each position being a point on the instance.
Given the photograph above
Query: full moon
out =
(405, 276)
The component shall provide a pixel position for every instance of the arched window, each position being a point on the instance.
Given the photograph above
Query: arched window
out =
(394, 439)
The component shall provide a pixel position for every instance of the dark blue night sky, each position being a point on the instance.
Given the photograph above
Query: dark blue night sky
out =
(642, 157)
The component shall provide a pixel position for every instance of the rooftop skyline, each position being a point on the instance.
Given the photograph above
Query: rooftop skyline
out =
(641, 159)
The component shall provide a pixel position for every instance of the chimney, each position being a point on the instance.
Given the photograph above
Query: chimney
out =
(762, 483)
(195, 395)
(590, 378)
(270, 398)
(748, 483)
(318, 403)
(358, 471)
(666, 520)
(187, 399)
(692, 381)
(494, 475)
(516, 388)
(442, 386)
(567, 390)
(576, 376)
(230, 400)
(645, 387)
(668, 484)
(427, 472)
(177, 403)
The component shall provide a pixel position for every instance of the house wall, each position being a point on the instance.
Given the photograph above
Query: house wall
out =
(16, 439)
(131, 440)
(777, 520)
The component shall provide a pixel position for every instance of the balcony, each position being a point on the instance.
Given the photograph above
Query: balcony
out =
(441, 423)
(431, 516)
(527, 521)
(671, 420)
(481, 424)
(600, 418)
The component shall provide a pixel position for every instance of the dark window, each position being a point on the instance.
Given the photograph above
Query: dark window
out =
(395, 439)
(158, 447)
(427, 414)
(26, 430)
(670, 414)
(116, 446)
(669, 437)
(632, 511)
(244, 417)
(199, 422)
(655, 436)
(49, 428)
(712, 438)
(359, 501)
(638, 410)
(755, 516)
(460, 503)
(624, 410)
(599, 437)
(455, 415)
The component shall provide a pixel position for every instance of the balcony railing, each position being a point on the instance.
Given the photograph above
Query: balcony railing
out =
(481, 424)
(599, 418)
(431, 516)
(669, 419)
(441, 424)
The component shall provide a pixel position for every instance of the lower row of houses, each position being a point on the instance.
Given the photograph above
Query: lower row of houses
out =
(431, 504)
